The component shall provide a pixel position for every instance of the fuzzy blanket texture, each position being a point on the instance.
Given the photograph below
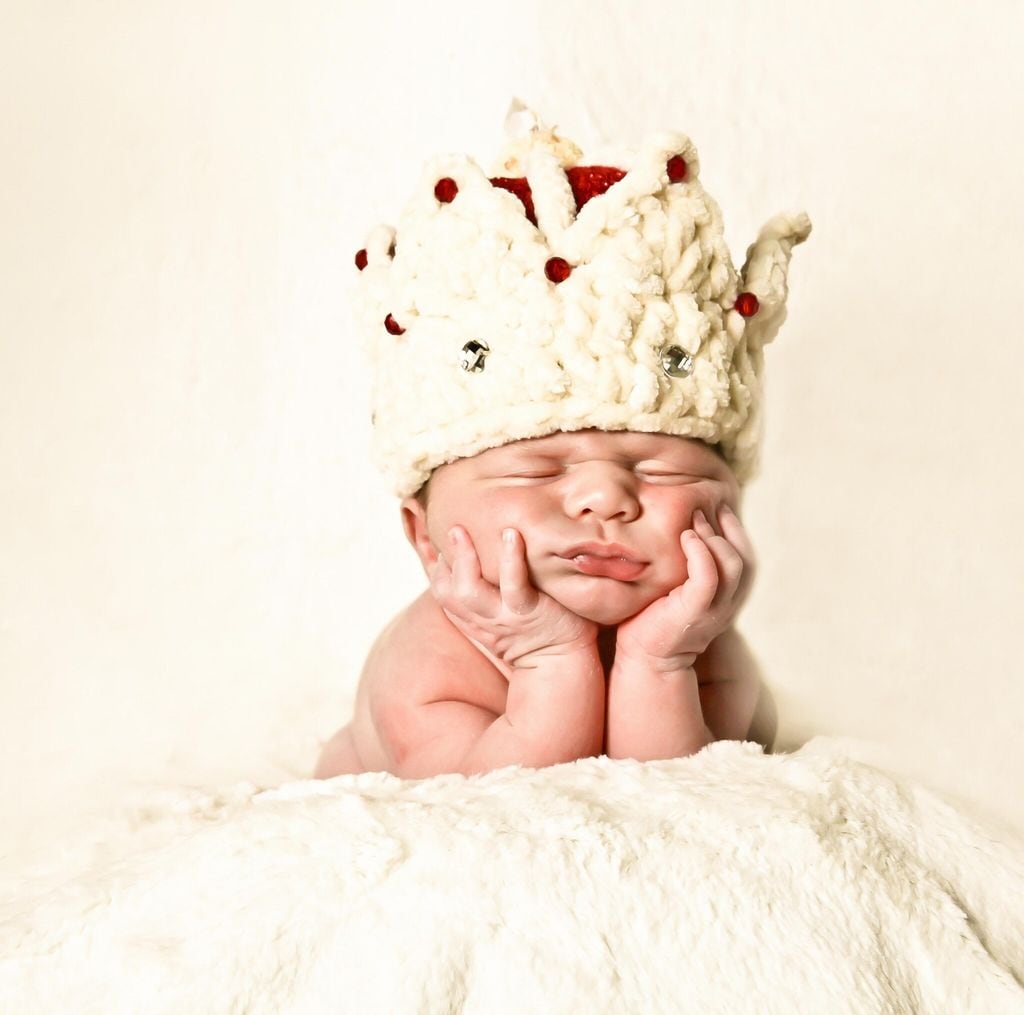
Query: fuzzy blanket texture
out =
(730, 881)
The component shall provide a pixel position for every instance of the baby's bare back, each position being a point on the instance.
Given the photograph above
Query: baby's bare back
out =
(419, 657)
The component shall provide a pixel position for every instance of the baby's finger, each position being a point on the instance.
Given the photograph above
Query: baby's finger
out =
(698, 591)
(513, 578)
(440, 579)
(702, 526)
(737, 536)
(732, 529)
(438, 568)
(727, 558)
(468, 583)
(465, 566)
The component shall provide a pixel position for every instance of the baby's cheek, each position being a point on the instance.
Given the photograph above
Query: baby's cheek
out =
(490, 563)
(670, 570)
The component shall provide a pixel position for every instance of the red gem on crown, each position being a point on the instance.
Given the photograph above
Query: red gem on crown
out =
(361, 259)
(557, 269)
(445, 190)
(747, 305)
(393, 326)
(676, 167)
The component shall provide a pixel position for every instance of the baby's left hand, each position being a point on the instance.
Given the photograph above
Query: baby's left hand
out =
(674, 630)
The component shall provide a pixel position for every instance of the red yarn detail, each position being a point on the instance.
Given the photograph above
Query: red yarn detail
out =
(393, 326)
(747, 305)
(519, 186)
(676, 167)
(586, 182)
(445, 190)
(557, 269)
(361, 259)
(589, 181)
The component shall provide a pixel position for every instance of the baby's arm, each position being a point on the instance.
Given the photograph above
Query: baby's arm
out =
(657, 709)
(554, 711)
(736, 702)
(654, 708)
(682, 676)
(554, 714)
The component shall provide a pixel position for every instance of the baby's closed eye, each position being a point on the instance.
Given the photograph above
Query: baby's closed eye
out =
(643, 473)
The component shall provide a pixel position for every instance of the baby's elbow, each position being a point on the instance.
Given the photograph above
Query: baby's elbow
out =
(339, 756)
(432, 738)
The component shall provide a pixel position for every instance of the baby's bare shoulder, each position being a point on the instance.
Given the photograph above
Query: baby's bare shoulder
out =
(422, 657)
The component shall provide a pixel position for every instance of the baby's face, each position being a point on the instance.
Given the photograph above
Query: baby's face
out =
(636, 489)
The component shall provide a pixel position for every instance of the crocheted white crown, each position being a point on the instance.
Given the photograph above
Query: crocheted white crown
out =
(558, 296)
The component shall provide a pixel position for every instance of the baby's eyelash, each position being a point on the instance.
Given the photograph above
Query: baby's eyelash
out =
(558, 472)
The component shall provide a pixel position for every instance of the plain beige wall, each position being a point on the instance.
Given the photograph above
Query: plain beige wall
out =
(197, 552)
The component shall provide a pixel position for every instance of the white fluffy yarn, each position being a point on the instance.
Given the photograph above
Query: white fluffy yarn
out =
(649, 271)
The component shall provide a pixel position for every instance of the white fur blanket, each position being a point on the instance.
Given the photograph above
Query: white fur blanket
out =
(729, 881)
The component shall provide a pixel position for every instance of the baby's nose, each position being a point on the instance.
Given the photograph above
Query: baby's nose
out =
(602, 488)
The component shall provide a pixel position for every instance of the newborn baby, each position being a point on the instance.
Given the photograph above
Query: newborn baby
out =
(583, 591)
(541, 334)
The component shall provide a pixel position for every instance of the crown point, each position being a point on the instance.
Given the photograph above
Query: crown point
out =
(676, 167)
(394, 328)
(591, 181)
(747, 305)
(557, 269)
(361, 259)
(445, 190)
(519, 186)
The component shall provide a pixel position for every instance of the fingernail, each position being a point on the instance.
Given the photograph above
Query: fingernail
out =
(453, 535)
(508, 535)
(699, 514)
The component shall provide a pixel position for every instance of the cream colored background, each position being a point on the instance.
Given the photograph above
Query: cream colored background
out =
(197, 553)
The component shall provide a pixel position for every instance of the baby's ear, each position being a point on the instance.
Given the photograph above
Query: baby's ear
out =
(414, 524)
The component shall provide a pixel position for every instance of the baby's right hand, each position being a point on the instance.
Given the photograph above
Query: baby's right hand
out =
(515, 622)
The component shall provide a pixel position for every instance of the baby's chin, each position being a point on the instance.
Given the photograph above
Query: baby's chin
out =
(605, 601)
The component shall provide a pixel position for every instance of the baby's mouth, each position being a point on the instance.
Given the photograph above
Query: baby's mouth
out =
(619, 568)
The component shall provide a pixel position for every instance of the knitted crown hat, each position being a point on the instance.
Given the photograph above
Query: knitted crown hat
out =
(558, 296)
